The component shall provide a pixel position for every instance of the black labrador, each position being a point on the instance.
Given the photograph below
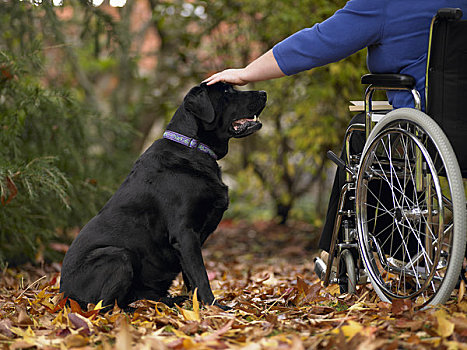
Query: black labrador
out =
(154, 226)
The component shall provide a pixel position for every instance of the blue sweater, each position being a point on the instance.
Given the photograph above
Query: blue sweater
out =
(395, 31)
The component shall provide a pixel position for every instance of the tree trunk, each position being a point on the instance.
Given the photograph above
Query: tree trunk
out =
(282, 212)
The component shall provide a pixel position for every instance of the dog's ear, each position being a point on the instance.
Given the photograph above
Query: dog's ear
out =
(197, 102)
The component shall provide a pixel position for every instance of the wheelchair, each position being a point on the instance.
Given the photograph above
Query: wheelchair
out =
(401, 222)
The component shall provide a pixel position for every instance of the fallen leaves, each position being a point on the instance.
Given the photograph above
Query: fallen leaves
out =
(277, 302)
(189, 315)
(445, 327)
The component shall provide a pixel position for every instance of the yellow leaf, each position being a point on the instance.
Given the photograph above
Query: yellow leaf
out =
(351, 329)
(333, 289)
(23, 333)
(445, 327)
(98, 306)
(75, 340)
(58, 318)
(188, 343)
(463, 306)
(196, 304)
(179, 334)
(41, 294)
(45, 302)
(454, 345)
(188, 315)
(359, 306)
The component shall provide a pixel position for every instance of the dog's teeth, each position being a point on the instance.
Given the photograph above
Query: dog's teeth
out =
(255, 118)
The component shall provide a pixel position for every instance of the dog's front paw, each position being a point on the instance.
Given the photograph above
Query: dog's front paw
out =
(223, 307)
(171, 301)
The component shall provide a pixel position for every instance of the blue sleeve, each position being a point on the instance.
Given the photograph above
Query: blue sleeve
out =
(358, 24)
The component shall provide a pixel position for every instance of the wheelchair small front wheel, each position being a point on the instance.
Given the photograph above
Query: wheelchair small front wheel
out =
(347, 273)
(410, 207)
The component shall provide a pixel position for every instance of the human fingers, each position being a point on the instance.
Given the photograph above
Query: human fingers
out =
(215, 78)
(231, 76)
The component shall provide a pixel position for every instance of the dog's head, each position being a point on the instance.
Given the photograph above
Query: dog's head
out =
(222, 112)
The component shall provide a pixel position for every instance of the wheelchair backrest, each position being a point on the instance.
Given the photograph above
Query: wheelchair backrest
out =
(446, 93)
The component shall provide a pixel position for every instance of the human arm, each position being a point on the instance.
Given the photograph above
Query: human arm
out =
(359, 24)
(264, 67)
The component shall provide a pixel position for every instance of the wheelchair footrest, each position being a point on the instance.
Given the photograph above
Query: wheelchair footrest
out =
(320, 270)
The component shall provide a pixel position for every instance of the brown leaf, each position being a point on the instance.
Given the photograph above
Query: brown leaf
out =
(271, 318)
(123, 338)
(61, 304)
(401, 305)
(320, 310)
(461, 291)
(460, 323)
(5, 74)
(5, 325)
(413, 339)
(75, 306)
(368, 343)
(79, 323)
(23, 317)
(413, 325)
(20, 344)
(191, 327)
(63, 333)
(12, 191)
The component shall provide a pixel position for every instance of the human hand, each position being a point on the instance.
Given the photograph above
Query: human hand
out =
(230, 76)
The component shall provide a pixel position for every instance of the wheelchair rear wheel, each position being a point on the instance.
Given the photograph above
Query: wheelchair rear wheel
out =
(410, 207)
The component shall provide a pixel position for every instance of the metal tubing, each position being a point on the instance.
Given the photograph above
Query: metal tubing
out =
(335, 232)
(369, 96)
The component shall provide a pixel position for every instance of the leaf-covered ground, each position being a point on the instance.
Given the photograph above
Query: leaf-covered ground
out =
(264, 272)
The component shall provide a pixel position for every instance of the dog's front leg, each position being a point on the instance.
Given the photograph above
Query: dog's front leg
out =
(188, 288)
(189, 248)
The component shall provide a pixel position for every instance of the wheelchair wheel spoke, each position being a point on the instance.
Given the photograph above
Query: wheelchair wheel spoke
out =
(382, 175)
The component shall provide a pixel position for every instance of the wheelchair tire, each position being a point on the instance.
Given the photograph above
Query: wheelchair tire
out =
(412, 240)
(347, 274)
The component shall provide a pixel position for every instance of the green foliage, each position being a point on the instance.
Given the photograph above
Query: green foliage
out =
(53, 164)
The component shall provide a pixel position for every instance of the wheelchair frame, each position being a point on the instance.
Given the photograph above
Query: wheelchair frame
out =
(359, 254)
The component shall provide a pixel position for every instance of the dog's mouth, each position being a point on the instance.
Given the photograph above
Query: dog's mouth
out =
(245, 126)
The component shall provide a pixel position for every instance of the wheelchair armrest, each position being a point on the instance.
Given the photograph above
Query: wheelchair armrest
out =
(398, 81)
(450, 13)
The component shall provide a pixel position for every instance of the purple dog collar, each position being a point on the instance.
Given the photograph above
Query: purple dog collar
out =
(189, 142)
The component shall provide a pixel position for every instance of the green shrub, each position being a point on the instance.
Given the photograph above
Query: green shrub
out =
(51, 177)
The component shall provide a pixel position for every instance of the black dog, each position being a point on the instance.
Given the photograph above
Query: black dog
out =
(154, 226)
